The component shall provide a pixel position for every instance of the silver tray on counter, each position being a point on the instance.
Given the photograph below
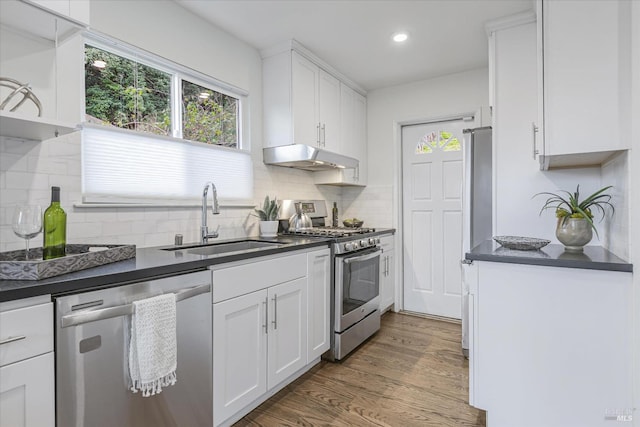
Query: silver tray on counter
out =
(521, 243)
(13, 265)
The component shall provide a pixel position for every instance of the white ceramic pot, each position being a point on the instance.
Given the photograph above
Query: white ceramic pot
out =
(574, 233)
(268, 228)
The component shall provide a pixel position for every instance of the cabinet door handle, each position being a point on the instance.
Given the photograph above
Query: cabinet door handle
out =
(386, 273)
(266, 315)
(275, 312)
(534, 132)
(12, 339)
(318, 134)
(324, 135)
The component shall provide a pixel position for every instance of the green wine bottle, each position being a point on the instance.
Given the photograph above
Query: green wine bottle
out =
(55, 228)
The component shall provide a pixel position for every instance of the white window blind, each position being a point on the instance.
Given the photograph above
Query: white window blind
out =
(120, 166)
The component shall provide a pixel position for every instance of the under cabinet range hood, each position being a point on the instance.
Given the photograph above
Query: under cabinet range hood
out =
(307, 158)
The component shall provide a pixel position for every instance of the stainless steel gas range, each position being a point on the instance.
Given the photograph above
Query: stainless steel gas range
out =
(355, 288)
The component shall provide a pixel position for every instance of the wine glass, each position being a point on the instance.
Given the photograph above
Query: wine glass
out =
(27, 223)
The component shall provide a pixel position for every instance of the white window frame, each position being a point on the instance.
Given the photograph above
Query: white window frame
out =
(178, 73)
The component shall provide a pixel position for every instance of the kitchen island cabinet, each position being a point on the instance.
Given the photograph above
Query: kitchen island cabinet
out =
(27, 392)
(262, 319)
(548, 345)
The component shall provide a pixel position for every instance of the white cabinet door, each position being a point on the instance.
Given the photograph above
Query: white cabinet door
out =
(329, 111)
(239, 353)
(318, 303)
(27, 394)
(586, 77)
(304, 94)
(387, 273)
(287, 338)
(559, 336)
(353, 140)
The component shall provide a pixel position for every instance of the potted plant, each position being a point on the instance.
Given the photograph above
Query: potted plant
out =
(575, 225)
(268, 217)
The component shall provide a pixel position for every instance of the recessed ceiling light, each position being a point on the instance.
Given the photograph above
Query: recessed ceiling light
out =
(400, 37)
(99, 64)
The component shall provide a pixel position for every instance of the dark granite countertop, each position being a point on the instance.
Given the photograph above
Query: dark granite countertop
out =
(149, 263)
(593, 257)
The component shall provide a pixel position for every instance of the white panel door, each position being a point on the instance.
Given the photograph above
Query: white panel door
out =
(239, 353)
(432, 217)
(287, 340)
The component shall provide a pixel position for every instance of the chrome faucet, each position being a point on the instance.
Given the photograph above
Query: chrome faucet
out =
(215, 209)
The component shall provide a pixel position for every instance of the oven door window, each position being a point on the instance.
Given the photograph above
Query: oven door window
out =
(360, 280)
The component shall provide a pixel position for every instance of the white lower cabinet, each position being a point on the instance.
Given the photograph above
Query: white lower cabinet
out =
(239, 348)
(27, 387)
(549, 346)
(27, 393)
(318, 302)
(387, 272)
(287, 330)
(262, 318)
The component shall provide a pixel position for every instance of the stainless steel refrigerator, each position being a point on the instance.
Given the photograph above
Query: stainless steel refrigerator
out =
(477, 203)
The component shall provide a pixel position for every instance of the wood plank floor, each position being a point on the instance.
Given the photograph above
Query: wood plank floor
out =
(411, 373)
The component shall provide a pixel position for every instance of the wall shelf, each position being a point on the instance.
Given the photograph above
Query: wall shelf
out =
(32, 128)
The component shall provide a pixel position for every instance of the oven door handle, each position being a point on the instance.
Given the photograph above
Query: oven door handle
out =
(372, 255)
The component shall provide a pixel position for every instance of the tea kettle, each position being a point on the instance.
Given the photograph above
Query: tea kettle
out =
(299, 220)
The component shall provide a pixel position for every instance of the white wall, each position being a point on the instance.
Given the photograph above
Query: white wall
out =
(28, 169)
(428, 99)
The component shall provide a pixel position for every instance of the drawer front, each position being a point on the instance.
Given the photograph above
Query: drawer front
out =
(26, 332)
(243, 279)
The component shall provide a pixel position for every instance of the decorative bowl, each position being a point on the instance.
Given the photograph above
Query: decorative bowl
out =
(521, 243)
(353, 222)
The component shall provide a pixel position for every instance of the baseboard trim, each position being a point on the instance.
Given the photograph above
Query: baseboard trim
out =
(432, 317)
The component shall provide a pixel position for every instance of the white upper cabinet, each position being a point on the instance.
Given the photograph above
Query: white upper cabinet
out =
(585, 71)
(77, 10)
(41, 46)
(315, 96)
(308, 102)
(353, 137)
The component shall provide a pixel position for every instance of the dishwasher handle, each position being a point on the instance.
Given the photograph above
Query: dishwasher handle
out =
(123, 310)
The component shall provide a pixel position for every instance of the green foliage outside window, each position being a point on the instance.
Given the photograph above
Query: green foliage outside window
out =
(126, 94)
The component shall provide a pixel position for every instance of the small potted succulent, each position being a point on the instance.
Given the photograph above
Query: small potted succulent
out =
(575, 217)
(268, 217)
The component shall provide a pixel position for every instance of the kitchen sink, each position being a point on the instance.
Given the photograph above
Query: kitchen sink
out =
(223, 248)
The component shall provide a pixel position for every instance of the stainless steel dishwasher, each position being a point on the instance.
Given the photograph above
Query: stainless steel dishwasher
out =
(91, 358)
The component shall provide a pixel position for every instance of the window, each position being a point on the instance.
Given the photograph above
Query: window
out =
(157, 132)
(126, 94)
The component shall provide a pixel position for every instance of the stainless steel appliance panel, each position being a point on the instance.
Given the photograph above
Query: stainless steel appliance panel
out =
(91, 358)
(477, 204)
(357, 287)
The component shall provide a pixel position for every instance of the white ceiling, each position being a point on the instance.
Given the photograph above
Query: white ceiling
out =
(354, 36)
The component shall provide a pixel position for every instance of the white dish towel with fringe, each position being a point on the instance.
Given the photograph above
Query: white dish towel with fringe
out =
(153, 353)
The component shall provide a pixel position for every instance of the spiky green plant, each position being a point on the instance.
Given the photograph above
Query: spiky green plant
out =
(570, 206)
(269, 211)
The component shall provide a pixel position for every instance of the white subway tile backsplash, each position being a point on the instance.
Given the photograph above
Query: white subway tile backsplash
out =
(26, 180)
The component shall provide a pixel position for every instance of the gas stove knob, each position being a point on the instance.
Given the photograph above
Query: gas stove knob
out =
(348, 246)
(372, 241)
(363, 243)
(377, 240)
